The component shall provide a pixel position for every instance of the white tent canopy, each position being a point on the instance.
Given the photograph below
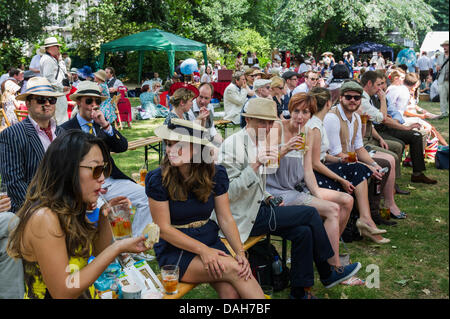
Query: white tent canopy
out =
(433, 41)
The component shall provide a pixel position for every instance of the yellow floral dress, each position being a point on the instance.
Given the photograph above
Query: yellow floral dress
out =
(39, 289)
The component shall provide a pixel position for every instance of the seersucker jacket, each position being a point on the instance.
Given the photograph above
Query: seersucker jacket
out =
(21, 151)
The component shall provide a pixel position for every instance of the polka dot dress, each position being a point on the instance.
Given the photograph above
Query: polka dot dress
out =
(354, 173)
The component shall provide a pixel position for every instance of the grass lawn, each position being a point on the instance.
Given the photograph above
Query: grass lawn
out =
(415, 264)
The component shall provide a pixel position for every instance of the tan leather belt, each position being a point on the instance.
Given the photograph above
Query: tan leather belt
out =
(196, 224)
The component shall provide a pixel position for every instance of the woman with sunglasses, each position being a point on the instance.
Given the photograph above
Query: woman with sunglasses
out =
(278, 86)
(182, 194)
(332, 173)
(54, 238)
(108, 109)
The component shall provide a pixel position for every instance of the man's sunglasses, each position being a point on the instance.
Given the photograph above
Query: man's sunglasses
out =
(98, 170)
(90, 100)
(355, 97)
(42, 99)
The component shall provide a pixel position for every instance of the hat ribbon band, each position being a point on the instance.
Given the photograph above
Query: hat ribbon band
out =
(183, 129)
(88, 92)
(40, 88)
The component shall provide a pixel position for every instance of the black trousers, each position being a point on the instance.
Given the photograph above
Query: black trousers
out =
(411, 137)
(303, 226)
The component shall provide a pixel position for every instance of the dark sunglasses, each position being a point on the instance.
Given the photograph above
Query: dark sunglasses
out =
(355, 97)
(98, 170)
(314, 79)
(42, 99)
(89, 100)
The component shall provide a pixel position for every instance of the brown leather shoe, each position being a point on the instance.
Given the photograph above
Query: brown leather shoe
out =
(422, 179)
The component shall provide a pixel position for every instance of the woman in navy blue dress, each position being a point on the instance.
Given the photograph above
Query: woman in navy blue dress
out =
(183, 193)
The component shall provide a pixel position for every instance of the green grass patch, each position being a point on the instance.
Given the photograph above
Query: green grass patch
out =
(415, 264)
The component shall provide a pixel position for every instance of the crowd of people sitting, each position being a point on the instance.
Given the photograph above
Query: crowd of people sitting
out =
(320, 146)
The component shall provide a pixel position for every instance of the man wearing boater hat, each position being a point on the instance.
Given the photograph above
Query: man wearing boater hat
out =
(23, 145)
(245, 156)
(90, 119)
(54, 70)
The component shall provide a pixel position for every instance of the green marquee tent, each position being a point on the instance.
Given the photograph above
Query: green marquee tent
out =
(152, 40)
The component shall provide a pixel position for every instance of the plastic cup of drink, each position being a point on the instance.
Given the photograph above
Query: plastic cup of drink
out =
(169, 275)
(301, 146)
(119, 218)
(268, 291)
(143, 173)
(364, 118)
(3, 192)
(351, 157)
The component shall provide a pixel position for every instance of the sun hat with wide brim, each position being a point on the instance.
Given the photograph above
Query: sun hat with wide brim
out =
(101, 74)
(261, 108)
(87, 88)
(38, 86)
(49, 42)
(183, 131)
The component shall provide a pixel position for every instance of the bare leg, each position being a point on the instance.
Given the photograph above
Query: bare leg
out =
(389, 187)
(345, 202)
(247, 289)
(329, 211)
(362, 200)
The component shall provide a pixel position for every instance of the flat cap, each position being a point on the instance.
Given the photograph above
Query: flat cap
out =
(351, 86)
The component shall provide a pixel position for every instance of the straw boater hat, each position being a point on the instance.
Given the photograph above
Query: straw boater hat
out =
(87, 88)
(260, 83)
(261, 108)
(183, 131)
(49, 42)
(101, 74)
(38, 86)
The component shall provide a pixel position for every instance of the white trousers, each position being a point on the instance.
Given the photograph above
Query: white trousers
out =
(136, 194)
(443, 97)
(61, 115)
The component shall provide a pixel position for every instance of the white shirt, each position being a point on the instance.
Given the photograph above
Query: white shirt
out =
(332, 126)
(434, 89)
(397, 96)
(35, 63)
(315, 122)
(212, 130)
(375, 115)
(424, 63)
(302, 88)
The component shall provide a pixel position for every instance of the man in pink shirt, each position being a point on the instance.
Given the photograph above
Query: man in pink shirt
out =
(23, 145)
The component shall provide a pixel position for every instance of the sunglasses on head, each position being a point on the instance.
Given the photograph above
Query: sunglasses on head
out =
(98, 170)
(355, 97)
(90, 100)
(43, 99)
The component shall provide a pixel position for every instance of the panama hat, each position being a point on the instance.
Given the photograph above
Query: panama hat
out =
(260, 83)
(38, 86)
(101, 74)
(49, 42)
(261, 108)
(444, 43)
(87, 88)
(183, 131)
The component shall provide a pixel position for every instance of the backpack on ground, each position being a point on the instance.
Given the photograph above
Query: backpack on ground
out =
(261, 256)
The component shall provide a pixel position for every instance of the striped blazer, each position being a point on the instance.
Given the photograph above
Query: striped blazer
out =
(21, 151)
